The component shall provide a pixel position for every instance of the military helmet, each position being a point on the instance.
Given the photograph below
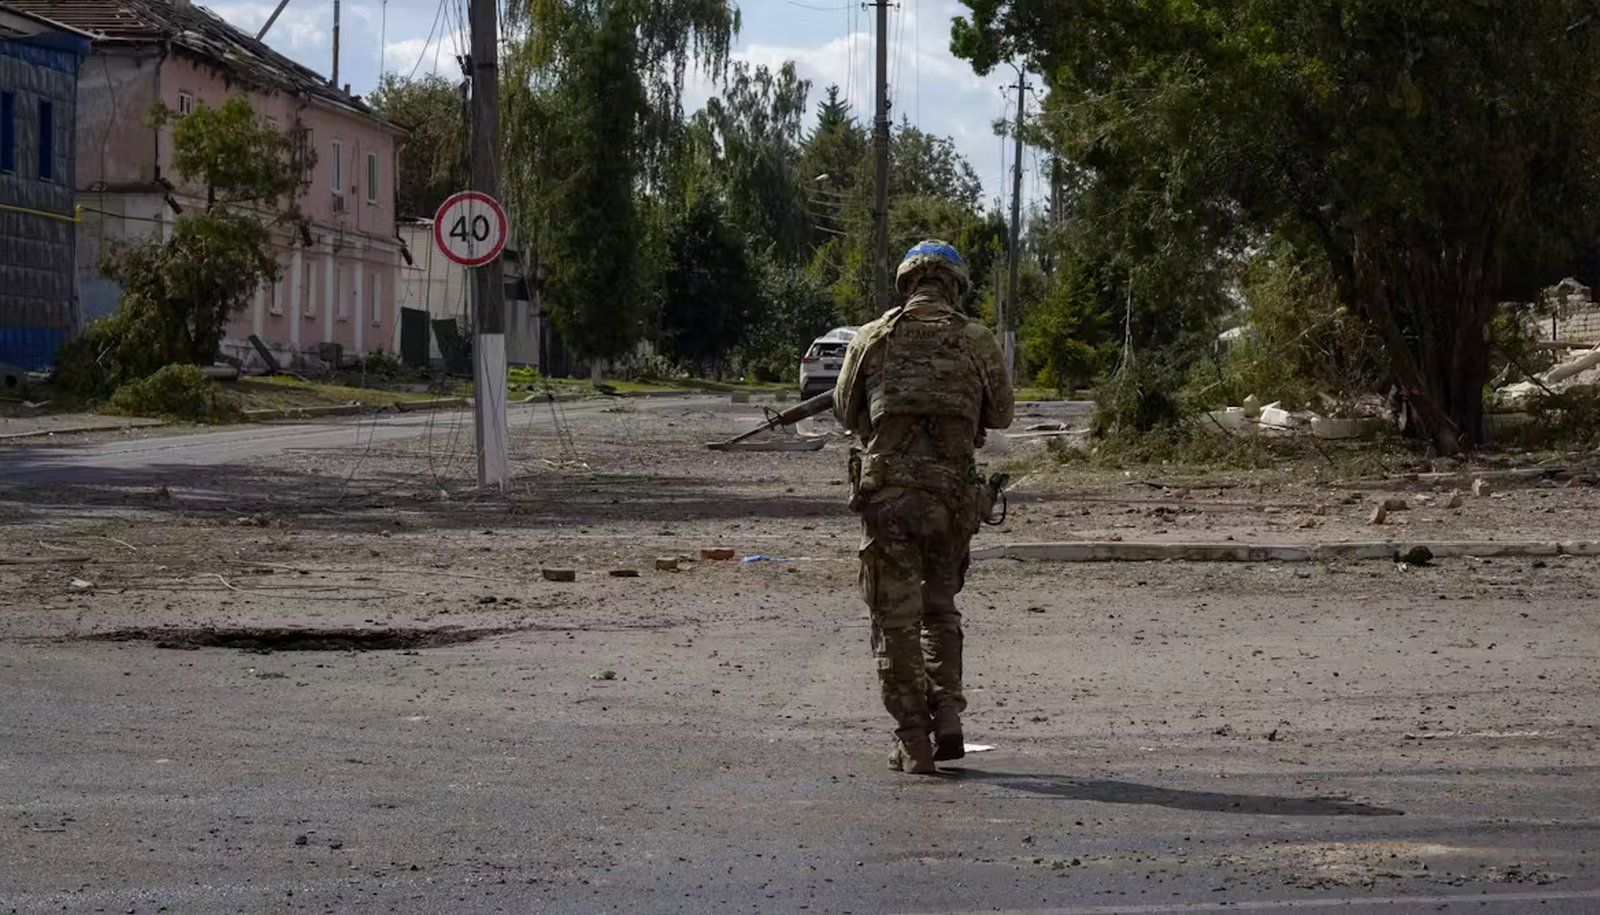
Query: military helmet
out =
(932, 254)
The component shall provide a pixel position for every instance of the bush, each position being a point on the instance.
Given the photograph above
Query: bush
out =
(1298, 343)
(177, 391)
(382, 365)
(1140, 398)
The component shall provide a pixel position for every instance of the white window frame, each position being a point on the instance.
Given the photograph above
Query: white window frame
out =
(337, 172)
(341, 310)
(185, 103)
(309, 286)
(374, 283)
(372, 178)
(308, 149)
(274, 307)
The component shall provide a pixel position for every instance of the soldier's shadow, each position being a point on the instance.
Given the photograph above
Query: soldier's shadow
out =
(1115, 792)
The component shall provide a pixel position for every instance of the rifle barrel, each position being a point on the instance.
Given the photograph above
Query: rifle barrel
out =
(801, 411)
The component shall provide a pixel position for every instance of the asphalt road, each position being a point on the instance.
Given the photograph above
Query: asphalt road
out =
(1168, 738)
(157, 452)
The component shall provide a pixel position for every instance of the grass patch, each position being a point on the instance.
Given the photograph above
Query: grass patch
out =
(527, 381)
(280, 392)
(1035, 393)
(1189, 450)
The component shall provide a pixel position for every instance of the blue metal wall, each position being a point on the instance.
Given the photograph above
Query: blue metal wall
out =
(38, 311)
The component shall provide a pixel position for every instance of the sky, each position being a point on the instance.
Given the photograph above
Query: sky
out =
(830, 41)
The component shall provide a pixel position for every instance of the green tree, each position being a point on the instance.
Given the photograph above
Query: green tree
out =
(793, 307)
(179, 293)
(708, 288)
(1064, 338)
(592, 107)
(1437, 156)
(747, 140)
(927, 165)
(432, 157)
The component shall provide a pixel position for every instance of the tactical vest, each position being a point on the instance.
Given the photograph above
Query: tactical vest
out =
(927, 372)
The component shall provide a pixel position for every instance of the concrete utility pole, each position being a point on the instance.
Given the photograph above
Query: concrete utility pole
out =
(1008, 324)
(880, 155)
(488, 287)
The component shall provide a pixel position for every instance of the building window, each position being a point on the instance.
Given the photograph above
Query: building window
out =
(8, 131)
(341, 304)
(185, 103)
(372, 177)
(338, 167)
(273, 305)
(305, 152)
(373, 281)
(308, 286)
(47, 141)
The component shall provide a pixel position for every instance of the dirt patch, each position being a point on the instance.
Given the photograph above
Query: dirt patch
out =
(295, 638)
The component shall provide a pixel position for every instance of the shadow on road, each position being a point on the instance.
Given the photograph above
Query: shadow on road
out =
(1114, 792)
(32, 482)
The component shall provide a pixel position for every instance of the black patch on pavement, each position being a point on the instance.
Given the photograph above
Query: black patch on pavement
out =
(294, 638)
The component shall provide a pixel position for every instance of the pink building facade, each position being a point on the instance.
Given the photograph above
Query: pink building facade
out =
(337, 293)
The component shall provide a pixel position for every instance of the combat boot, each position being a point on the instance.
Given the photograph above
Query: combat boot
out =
(915, 757)
(948, 744)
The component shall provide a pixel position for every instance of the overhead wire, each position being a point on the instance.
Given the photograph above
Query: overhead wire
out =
(423, 54)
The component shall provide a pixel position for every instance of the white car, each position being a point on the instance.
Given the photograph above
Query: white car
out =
(819, 367)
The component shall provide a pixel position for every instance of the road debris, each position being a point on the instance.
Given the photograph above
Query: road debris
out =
(666, 563)
(1482, 488)
(559, 574)
(717, 553)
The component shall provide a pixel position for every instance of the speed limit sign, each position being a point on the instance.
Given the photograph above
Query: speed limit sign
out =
(470, 228)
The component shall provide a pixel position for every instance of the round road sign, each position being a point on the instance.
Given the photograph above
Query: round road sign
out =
(470, 228)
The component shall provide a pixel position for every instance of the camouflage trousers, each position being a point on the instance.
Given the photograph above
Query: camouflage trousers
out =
(914, 555)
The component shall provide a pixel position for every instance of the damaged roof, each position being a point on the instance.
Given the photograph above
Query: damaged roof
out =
(198, 32)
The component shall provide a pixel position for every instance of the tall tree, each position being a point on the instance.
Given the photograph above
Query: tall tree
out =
(1438, 156)
(749, 139)
(708, 287)
(926, 165)
(432, 157)
(593, 108)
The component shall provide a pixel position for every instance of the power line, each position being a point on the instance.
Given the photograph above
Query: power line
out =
(423, 54)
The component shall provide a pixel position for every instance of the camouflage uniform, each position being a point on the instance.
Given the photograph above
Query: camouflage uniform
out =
(919, 386)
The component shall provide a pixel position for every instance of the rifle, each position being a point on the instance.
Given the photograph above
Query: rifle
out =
(803, 410)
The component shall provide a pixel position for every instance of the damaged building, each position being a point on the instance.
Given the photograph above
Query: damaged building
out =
(336, 297)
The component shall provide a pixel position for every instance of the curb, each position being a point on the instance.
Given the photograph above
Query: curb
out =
(350, 409)
(78, 430)
(440, 403)
(1118, 551)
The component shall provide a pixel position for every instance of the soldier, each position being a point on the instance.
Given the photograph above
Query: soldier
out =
(919, 387)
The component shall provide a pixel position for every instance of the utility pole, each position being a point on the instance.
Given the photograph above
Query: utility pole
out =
(1056, 206)
(1008, 324)
(880, 154)
(488, 287)
(335, 79)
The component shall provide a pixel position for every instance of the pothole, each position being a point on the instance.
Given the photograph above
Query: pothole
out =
(294, 638)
